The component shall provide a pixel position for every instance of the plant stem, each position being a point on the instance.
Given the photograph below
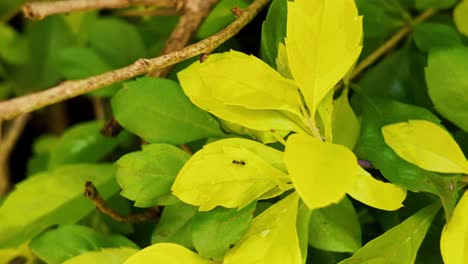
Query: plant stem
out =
(40, 10)
(92, 193)
(70, 89)
(391, 43)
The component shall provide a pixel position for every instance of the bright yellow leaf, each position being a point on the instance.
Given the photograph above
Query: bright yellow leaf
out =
(321, 172)
(272, 237)
(325, 113)
(346, 125)
(243, 89)
(23, 251)
(460, 15)
(323, 41)
(105, 255)
(231, 173)
(454, 239)
(166, 253)
(378, 194)
(263, 136)
(426, 145)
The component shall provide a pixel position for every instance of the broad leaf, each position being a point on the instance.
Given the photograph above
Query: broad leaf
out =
(165, 114)
(447, 80)
(378, 194)
(82, 143)
(27, 210)
(426, 4)
(427, 145)
(65, 242)
(175, 225)
(272, 237)
(127, 44)
(242, 89)
(107, 255)
(398, 245)
(146, 176)
(345, 123)
(453, 242)
(323, 41)
(274, 31)
(459, 15)
(218, 230)
(166, 253)
(231, 173)
(378, 113)
(430, 35)
(321, 172)
(335, 228)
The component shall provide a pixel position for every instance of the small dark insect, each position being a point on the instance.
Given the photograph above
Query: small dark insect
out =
(238, 162)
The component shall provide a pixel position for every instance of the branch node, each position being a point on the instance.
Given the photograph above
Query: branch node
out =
(237, 11)
(203, 57)
(112, 128)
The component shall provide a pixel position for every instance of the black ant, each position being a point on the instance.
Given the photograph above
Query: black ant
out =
(238, 162)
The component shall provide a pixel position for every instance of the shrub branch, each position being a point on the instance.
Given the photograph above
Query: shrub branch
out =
(70, 89)
(40, 10)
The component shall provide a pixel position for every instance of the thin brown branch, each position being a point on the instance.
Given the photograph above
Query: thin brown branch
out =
(391, 43)
(40, 10)
(24, 104)
(99, 107)
(151, 12)
(92, 193)
(194, 13)
(6, 147)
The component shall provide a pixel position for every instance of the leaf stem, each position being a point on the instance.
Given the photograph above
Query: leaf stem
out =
(92, 193)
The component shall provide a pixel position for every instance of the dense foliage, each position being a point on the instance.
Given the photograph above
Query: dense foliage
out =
(297, 157)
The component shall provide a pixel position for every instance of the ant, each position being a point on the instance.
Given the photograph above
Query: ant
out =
(238, 162)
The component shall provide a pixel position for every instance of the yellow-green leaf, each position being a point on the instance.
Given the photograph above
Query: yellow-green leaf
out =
(325, 113)
(167, 253)
(426, 145)
(454, 239)
(231, 173)
(8, 255)
(346, 126)
(321, 172)
(106, 255)
(460, 15)
(272, 237)
(243, 89)
(282, 62)
(378, 194)
(323, 41)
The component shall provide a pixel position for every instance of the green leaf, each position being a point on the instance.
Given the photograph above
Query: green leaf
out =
(220, 17)
(165, 114)
(9, 8)
(166, 253)
(146, 176)
(272, 237)
(381, 18)
(127, 44)
(378, 113)
(216, 231)
(58, 245)
(274, 31)
(398, 245)
(335, 228)
(175, 225)
(323, 42)
(231, 173)
(430, 35)
(50, 198)
(439, 4)
(321, 172)
(107, 255)
(447, 80)
(459, 15)
(453, 239)
(427, 145)
(79, 63)
(346, 125)
(82, 143)
(243, 89)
